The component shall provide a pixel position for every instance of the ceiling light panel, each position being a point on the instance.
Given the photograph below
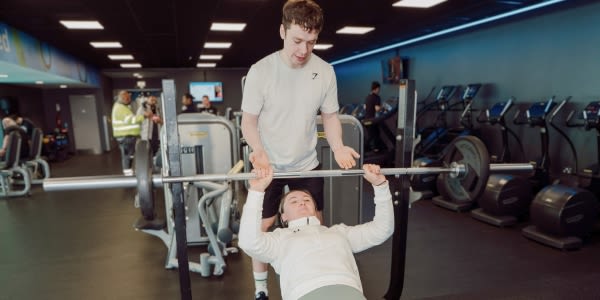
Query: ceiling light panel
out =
(120, 56)
(82, 24)
(106, 44)
(417, 3)
(215, 45)
(206, 65)
(322, 46)
(227, 26)
(131, 65)
(355, 30)
(211, 56)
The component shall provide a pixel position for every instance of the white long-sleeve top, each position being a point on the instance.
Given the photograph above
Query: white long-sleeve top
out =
(308, 255)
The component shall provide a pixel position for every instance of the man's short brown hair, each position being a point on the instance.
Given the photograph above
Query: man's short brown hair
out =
(304, 13)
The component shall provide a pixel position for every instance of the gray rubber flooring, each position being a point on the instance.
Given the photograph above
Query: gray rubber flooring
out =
(81, 245)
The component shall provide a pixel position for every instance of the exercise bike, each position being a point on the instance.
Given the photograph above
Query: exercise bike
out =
(562, 215)
(429, 136)
(425, 183)
(429, 150)
(589, 178)
(495, 116)
(536, 117)
(498, 184)
(507, 196)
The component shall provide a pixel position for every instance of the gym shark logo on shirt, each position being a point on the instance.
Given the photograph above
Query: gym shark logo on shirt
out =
(314, 75)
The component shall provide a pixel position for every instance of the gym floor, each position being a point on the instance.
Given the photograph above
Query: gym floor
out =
(81, 245)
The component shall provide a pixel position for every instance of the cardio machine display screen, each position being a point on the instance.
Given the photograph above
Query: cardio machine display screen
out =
(592, 109)
(497, 109)
(446, 92)
(471, 91)
(540, 109)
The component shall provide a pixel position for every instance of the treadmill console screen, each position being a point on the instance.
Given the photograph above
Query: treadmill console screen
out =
(592, 110)
(497, 109)
(446, 92)
(540, 109)
(471, 91)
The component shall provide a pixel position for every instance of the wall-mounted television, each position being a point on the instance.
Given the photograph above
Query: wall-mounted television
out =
(214, 90)
(8, 106)
(394, 69)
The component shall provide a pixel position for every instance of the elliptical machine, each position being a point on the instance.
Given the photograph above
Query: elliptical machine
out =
(563, 215)
(500, 185)
(430, 149)
(466, 117)
(495, 117)
(426, 137)
(536, 116)
(589, 178)
(508, 196)
(429, 136)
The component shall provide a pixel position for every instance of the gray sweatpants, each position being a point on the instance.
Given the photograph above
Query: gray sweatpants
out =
(334, 292)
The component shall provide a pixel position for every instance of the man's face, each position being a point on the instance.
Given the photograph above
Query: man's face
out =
(298, 204)
(298, 44)
(126, 98)
(186, 101)
(205, 101)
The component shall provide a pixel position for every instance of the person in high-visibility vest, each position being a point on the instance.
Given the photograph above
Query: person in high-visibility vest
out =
(126, 129)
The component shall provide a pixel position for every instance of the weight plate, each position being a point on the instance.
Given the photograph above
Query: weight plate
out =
(143, 173)
(425, 182)
(472, 153)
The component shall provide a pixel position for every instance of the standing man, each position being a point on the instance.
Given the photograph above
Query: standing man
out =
(188, 104)
(126, 129)
(372, 106)
(283, 94)
(26, 124)
(9, 125)
(207, 106)
(150, 129)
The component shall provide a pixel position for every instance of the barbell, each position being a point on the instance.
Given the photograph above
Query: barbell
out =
(121, 181)
(465, 173)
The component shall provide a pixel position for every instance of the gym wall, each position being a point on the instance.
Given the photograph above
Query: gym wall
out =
(531, 58)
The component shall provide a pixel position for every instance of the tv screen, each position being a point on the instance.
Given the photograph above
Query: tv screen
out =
(8, 106)
(214, 90)
(394, 69)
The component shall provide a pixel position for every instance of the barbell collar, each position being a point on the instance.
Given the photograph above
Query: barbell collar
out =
(499, 168)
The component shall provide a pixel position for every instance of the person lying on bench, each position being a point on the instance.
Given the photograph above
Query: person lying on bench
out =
(314, 261)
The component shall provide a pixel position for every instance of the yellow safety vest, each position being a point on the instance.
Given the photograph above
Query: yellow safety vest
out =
(124, 122)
